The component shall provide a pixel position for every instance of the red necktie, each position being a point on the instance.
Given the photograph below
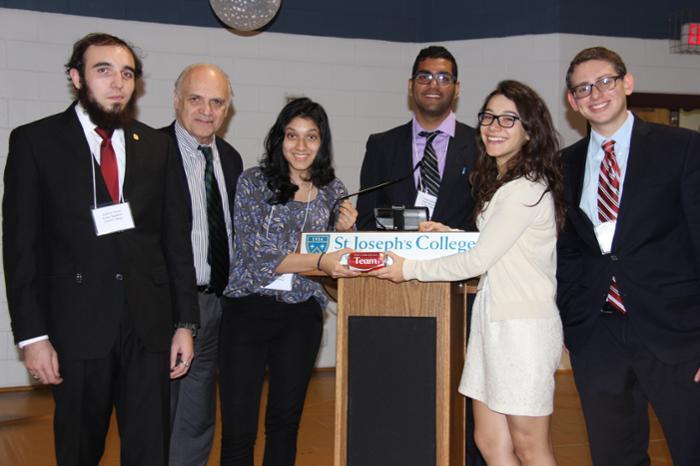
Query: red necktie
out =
(608, 206)
(108, 163)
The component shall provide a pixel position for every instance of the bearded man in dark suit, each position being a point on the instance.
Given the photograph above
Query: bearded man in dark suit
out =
(98, 262)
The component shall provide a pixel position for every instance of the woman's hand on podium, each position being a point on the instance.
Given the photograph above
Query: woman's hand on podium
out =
(347, 215)
(393, 272)
(330, 264)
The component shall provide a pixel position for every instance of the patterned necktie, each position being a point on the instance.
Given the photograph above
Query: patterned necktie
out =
(429, 174)
(217, 252)
(608, 206)
(108, 163)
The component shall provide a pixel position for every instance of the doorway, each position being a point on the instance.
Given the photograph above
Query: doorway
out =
(680, 110)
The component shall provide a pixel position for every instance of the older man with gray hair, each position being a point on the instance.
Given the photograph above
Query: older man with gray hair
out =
(210, 170)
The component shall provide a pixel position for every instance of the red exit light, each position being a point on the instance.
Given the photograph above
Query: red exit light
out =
(694, 34)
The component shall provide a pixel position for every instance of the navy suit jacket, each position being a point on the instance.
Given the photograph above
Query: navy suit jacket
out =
(78, 288)
(389, 155)
(655, 255)
(231, 164)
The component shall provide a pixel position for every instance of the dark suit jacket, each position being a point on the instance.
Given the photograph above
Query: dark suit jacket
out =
(65, 281)
(655, 254)
(389, 155)
(231, 164)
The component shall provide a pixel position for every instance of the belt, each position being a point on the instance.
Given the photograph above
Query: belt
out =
(205, 289)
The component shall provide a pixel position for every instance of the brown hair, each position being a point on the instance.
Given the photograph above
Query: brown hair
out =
(76, 60)
(596, 53)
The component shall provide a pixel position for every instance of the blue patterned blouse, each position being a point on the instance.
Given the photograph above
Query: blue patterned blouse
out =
(265, 234)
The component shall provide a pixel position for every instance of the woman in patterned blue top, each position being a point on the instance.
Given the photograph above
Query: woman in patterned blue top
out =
(272, 316)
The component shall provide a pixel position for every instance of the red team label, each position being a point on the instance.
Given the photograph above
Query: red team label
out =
(365, 261)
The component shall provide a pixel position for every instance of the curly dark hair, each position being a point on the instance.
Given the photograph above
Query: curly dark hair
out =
(537, 160)
(275, 166)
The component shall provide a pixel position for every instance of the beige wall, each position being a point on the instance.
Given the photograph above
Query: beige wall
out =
(690, 120)
(361, 83)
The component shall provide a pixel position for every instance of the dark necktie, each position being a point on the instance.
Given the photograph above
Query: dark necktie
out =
(609, 205)
(429, 173)
(108, 163)
(217, 252)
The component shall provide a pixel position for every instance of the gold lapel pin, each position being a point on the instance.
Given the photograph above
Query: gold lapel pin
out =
(135, 136)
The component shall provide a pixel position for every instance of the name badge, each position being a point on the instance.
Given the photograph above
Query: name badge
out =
(604, 233)
(282, 283)
(112, 218)
(424, 199)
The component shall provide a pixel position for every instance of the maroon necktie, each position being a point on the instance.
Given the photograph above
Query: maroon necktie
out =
(108, 163)
(608, 206)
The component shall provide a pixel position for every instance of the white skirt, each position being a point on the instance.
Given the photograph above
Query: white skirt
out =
(510, 364)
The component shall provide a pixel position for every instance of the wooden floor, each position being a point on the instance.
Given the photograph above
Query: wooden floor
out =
(26, 439)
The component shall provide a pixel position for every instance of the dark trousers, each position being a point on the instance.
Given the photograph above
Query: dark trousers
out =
(193, 397)
(258, 332)
(617, 377)
(133, 381)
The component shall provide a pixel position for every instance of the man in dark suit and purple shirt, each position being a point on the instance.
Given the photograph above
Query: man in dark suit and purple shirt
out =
(98, 261)
(432, 135)
(442, 184)
(629, 269)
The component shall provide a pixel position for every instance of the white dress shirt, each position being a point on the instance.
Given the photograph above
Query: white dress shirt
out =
(589, 193)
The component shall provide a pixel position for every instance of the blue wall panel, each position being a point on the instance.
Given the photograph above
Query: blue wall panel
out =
(404, 20)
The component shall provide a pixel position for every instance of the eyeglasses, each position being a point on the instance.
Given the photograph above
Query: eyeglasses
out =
(504, 121)
(603, 85)
(443, 78)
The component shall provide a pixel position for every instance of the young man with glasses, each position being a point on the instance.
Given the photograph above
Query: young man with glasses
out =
(441, 182)
(629, 269)
(433, 89)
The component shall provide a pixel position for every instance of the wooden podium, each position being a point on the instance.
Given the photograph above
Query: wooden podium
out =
(399, 357)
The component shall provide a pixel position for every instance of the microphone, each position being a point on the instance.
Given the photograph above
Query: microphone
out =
(330, 226)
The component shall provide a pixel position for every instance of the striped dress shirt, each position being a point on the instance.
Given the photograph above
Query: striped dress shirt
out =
(194, 163)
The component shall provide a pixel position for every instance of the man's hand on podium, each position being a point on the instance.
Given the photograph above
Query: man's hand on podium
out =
(393, 272)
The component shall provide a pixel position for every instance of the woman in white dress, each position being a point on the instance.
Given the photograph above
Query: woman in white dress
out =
(515, 341)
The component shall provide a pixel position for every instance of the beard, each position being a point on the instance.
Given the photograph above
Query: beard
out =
(113, 118)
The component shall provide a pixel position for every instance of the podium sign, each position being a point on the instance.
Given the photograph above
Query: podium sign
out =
(411, 245)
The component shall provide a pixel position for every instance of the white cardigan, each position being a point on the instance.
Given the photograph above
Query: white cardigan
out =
(516, 250)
